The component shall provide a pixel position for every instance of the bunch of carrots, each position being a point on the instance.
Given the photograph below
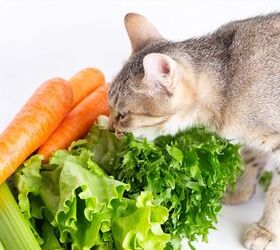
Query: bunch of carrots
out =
(58, 113)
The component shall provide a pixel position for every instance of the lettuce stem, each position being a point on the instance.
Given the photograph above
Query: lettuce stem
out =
(15, 232)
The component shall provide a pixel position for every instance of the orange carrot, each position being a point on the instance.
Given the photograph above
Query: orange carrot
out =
(33, 124)
(78, 122)
(85, 82)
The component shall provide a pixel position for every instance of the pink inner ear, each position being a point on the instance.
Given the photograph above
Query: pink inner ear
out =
(157, 66)
(165, 68)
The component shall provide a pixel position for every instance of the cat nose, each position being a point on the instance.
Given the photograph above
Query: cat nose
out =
(111, 129)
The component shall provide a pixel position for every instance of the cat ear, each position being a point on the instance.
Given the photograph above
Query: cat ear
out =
(160, 70)
(140, 31)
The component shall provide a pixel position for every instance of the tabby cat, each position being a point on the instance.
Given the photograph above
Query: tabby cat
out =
(228, 80)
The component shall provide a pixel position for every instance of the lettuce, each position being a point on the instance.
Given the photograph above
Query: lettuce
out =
(140, 219)
(187, 173)
(110, 193)
(71, 202)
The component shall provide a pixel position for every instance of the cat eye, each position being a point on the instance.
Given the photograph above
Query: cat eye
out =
(121, 115)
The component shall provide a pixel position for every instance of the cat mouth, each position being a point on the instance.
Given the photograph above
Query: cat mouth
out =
(149, 132)
(119, 134)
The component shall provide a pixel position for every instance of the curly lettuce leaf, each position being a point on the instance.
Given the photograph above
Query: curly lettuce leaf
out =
(103, 144)
(28, 182)
(187, 173)
(93, 194)
(138, 224)
(50, 240)
(82, 207)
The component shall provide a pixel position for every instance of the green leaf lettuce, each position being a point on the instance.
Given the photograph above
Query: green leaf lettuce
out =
(83, 207)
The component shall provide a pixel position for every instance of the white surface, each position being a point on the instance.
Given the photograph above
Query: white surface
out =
(44, 39)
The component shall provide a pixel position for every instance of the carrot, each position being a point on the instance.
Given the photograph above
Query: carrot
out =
(85, 82)
(78, 122)
(33, 124)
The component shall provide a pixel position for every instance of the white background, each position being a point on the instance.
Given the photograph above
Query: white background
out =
(44, 39)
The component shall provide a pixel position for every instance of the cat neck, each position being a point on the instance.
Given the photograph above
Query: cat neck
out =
(206, 60)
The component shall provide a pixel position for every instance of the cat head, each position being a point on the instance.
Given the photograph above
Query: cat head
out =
(152, 93)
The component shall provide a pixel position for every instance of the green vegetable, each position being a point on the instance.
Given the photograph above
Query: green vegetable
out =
(128, 193)
(187, 173)
(2, 246)
(15, 232)
(140, 219)
(72, 201)
(265, 180)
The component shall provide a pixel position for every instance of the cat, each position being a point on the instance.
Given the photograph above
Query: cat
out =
(228, 80)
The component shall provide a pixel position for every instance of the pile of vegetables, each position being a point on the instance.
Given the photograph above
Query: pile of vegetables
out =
(109, 193)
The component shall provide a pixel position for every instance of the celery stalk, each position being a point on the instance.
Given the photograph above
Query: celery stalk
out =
(1, 246)
(15, 232)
